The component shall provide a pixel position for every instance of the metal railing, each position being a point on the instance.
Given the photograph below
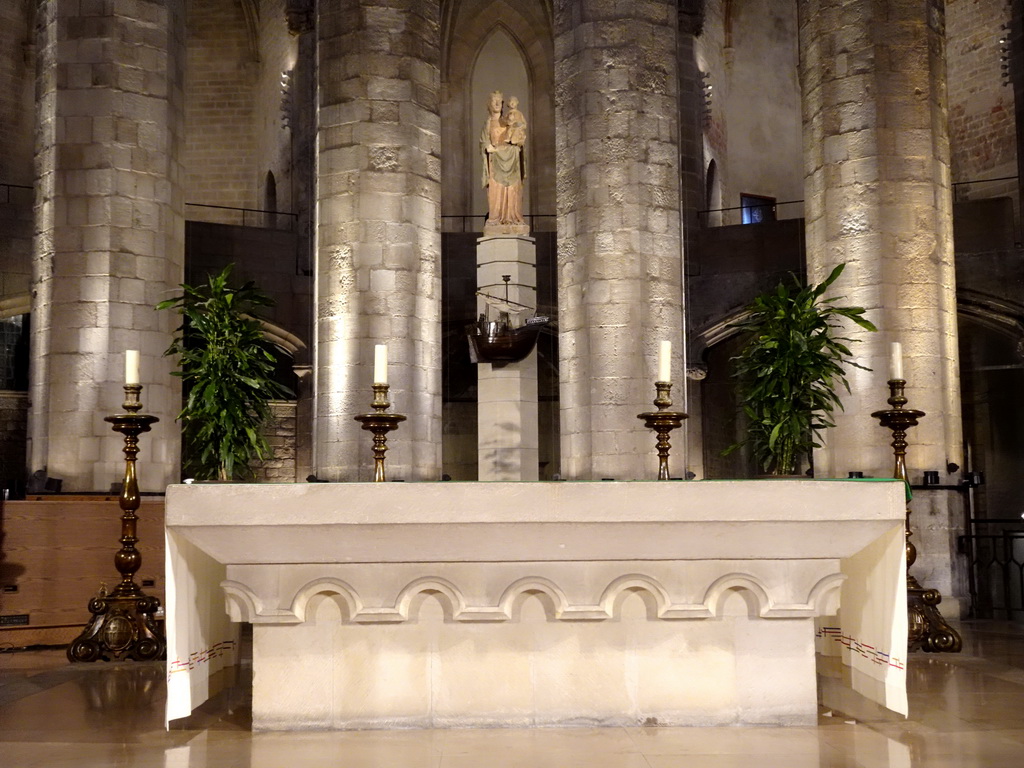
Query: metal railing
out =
(248, 217)
(970, 182)
(7, 188)
(995, 570)
(474, 222)
(720, 217)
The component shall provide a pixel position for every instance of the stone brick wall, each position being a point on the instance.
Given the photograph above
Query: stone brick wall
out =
(15, 242)
(763, 107)
(220, 109)
(16, 121)
(749, 52)
(273, 98)
(280, 433)
(13, 417)
(709, 50)
(982, 128)
(16, 81)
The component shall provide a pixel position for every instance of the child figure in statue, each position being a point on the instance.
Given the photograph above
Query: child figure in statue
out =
(516, 122)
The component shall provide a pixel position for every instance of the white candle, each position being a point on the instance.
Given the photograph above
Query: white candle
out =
(895, 360)
(131, 366)
(665, 361)
(380, 364)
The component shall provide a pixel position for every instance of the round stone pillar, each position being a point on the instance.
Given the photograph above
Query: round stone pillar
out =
(109, 235)
(619, 250)
(378, 233)
(877, 191)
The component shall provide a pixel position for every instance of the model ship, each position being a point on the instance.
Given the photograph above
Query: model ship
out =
(503, 339)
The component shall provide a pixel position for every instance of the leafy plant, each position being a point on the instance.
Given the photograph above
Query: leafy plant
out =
(227, 367)
(790, 370)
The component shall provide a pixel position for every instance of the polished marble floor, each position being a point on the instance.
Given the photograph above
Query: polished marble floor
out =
(966, 710)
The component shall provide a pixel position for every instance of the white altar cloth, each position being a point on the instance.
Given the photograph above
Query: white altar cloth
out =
(276, 550)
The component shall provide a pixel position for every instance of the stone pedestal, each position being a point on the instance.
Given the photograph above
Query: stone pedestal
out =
(507, 393)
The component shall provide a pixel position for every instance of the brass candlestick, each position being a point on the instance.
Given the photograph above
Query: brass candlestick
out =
(380, 423)
(123, 625)
(662, 421)
(927, 629)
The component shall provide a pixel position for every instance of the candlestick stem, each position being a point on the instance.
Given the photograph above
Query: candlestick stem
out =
(124, 625)
(662, 421)
(380, 423)
(927, 629)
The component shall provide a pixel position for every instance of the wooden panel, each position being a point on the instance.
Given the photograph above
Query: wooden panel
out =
(57, 552)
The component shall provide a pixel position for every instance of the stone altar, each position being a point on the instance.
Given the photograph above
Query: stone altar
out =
(518, 604)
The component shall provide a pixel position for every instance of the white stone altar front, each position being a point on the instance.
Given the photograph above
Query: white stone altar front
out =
(519, 604)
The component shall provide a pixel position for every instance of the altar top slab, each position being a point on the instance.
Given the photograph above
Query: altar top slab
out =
(564, 521)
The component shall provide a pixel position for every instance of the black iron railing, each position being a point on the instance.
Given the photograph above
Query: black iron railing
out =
(466, 222)
(707, 217)
(996, 569)
(247, 217)
(15, 190)
(983, 181)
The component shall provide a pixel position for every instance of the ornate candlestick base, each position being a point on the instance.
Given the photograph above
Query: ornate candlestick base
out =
(123, 625)
(662, 421)
(380, 423)
(927, 628)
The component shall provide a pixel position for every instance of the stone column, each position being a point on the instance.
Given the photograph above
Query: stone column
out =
(378, 232)
(692, 200)
(619, 251)
(878, 197)
(109, 235)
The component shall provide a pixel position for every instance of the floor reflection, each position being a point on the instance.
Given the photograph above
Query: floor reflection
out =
(965, 711)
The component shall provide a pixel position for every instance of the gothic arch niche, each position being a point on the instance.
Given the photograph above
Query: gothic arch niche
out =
(270, 199)
(713, 195)
(468, 27)
(520, 32)
(499, 66)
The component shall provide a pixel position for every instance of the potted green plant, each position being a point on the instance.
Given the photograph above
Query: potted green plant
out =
(791, 368)
(227, 368)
